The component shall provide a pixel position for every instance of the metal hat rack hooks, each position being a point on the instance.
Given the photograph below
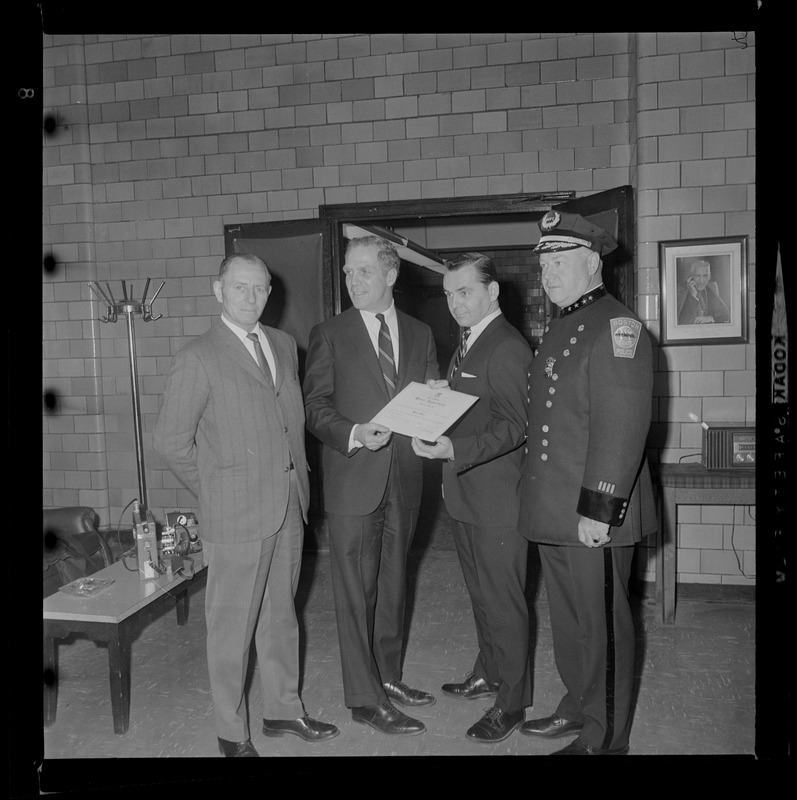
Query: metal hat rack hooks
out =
(129, 307)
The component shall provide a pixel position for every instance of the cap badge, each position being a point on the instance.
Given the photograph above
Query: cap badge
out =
(550, 220)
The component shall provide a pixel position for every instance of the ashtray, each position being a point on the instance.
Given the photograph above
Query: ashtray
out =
(85, 587)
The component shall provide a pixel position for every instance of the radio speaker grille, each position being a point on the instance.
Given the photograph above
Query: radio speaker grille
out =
(722, 446)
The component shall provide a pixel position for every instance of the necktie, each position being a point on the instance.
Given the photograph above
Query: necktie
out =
(461, 350)
(261, 357)
(386, 360)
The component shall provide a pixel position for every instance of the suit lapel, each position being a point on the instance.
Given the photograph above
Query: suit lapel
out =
(405, 348)
(485, 335)
(476, 346)
(239, 353)
(280, 358)
(362, 343)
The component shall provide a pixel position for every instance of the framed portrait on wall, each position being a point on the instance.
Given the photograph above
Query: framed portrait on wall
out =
(704, 290)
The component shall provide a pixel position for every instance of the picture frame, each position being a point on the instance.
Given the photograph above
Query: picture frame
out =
(704, 291)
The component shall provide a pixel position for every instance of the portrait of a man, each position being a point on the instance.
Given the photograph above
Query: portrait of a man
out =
(699, 298)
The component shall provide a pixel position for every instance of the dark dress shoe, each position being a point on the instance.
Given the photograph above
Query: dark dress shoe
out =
(237, 749)
(386, 718)
(400, 693)
(495, 726)
(580, 748)
(472, 688)
(550, 727)
(307, 728)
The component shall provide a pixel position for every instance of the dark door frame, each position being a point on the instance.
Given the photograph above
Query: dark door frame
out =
(372, 213)
(619, 273)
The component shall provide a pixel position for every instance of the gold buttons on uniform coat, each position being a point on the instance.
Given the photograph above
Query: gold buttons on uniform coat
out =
(545, 443)
(545, 429)
(551, 390)
(566, 353)
(573, 340)
(548, 403)
(581, 327)
(544, 457)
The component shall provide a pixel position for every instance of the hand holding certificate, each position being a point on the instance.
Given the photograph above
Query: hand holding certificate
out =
(422, 412)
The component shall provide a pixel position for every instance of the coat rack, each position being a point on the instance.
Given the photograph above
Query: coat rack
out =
(129, 307)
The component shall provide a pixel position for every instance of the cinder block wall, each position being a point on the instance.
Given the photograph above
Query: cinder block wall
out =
(695, 178)
(162, 140)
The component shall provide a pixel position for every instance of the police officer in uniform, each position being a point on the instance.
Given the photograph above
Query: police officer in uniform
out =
(585, 490)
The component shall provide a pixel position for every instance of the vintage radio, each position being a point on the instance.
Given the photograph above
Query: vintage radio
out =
(728, 445)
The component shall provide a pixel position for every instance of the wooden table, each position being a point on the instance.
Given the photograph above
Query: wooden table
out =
(690, 484)
(113, 615)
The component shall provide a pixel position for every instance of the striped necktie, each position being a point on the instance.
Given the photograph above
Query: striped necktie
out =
(261, 357)
(386, 360)
(461, 350)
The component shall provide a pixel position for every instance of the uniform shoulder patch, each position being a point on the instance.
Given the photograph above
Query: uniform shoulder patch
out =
(625, 336)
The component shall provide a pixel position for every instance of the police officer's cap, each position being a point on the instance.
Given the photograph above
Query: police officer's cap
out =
(560, 230)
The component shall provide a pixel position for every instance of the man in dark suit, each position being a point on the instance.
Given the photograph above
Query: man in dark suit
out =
(372, 481)
(231, 428)
(585, 493)
(484, 457)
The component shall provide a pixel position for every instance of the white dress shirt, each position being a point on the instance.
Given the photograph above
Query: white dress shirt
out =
(476, 330)
(250, 345)
(373, 325)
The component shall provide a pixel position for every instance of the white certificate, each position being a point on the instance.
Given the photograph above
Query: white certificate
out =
(426, 413)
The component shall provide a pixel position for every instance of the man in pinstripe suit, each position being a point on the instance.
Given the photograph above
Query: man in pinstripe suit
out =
(231, 428)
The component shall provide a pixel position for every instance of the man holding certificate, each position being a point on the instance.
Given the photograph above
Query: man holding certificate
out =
(484, 455)
(356, 362)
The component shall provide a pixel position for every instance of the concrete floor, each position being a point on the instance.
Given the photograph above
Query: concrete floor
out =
(696, 679)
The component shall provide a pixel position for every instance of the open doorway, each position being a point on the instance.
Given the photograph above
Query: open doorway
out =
(502, 227)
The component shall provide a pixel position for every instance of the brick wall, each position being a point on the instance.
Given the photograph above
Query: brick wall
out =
(695, 166)
(520, 270)
(162, 140)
